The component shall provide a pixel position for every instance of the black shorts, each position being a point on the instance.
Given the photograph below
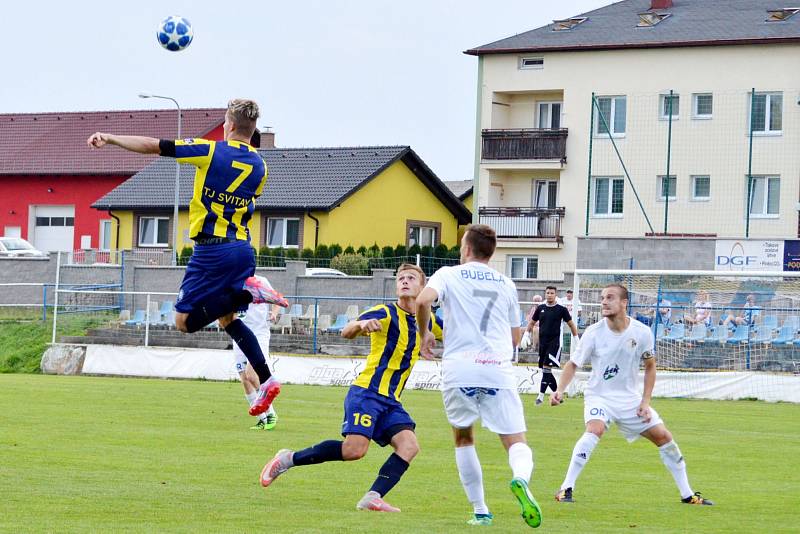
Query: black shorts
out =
(549, 353)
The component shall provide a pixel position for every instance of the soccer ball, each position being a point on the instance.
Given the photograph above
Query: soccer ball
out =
(175, 33)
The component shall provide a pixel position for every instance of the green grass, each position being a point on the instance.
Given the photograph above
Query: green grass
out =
(24, 341)
(84, 454)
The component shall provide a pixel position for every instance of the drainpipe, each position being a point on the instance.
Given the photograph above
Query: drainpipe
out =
(111, 214)
(316, 229)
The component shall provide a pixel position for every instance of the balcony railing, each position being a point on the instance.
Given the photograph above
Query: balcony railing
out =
(533, 143)
(524, 223)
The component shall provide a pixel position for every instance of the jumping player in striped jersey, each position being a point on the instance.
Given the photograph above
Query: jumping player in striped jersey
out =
(372, 408)
(219, 279)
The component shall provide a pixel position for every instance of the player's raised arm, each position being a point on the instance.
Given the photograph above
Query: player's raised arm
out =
(424, 302)
(132, 143)
(357, 328)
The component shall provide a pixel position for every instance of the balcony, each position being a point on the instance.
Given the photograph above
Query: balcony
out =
(525, 144)
(524, 224)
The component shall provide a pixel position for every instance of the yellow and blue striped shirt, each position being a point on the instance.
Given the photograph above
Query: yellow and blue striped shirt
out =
(230, 175)
(393, 350)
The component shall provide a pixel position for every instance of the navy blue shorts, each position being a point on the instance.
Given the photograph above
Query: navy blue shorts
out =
(373, 415)
(215, 269)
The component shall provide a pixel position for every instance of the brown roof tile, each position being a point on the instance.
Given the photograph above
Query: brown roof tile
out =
(55, 143)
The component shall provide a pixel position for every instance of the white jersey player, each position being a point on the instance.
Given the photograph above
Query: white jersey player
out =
(257, 318)
(481, 329)
(614, 347)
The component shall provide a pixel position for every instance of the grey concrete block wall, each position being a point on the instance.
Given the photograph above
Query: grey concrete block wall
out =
(664, 253)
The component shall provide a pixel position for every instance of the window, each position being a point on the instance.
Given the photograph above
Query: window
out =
(522, 266)
(765, 194)
(702, 106)
(424, 236)
(612, 109)
(531, 63)
(545, 193)
(153, 231)
(105, 235)
(608, 194)
(283, 232)
(701, 187)
(567, 24)
(667, 187)
(549, 115)
(664, 103)
(766, 113)
(55, 221)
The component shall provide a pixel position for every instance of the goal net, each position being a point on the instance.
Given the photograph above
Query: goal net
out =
(721, 334)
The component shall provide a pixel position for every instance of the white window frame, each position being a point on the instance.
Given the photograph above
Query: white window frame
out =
(766, 132)
(660, 190)
(549, 104)
(662, 106)
(421, 228)
(155, 234)
(536, 63)
(103, 234)
(695, 198)
(283, 235)
(611, 117)
(697, 115)
(547, 183)
(525, 259)
(770, 179)
(609, 214)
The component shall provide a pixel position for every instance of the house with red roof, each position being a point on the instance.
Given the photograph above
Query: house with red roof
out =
(49, 178)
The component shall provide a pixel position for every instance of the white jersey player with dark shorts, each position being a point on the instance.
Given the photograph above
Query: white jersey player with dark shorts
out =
(614, 347)
(481, 318)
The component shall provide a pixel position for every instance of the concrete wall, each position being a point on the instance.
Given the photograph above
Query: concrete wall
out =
(648, 253)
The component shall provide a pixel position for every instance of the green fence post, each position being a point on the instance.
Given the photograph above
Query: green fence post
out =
(589, 176)
(750, 166)
(666, 178)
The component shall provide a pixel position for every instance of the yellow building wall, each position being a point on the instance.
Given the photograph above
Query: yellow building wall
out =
(468, 203)
(125, 230)
(377, 213)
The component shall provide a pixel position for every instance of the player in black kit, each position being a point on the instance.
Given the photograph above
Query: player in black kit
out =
(549, 316)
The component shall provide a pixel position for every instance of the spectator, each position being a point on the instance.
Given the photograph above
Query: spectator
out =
(664, 311)
(702, 310)
(746, 315)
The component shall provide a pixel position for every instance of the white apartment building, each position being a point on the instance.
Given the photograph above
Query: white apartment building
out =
(734, 156)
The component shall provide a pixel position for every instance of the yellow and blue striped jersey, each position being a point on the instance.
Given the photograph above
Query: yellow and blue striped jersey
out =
(393, 350)
(230, 175)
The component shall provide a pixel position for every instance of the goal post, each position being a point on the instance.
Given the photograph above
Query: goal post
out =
(713, 329)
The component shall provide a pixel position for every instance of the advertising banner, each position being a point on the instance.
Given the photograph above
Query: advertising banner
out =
(749, 255)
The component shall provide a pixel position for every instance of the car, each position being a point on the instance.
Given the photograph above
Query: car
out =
(16, 247)
(323, 271)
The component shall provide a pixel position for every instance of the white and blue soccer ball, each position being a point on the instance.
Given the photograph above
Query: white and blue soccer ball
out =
(175, 33)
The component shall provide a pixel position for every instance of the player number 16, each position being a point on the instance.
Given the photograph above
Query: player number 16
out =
(362, 419)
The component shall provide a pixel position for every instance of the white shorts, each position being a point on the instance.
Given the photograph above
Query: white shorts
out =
(240, 360)
(630, 424)
(500, 410)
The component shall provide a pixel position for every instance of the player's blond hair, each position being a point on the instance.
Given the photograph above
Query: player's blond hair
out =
(415, 268)
(243, 113)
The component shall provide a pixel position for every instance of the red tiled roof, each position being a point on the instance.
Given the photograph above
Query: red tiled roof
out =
(55, 143)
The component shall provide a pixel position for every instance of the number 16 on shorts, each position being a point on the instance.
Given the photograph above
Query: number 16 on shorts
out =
(362, 419)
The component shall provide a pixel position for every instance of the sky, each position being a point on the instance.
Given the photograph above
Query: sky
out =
(325, 73)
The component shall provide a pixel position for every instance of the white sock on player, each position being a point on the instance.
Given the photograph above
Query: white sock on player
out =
(520, 458)
(251, 398)
(673, 459)
(580, 455)
(471, 475)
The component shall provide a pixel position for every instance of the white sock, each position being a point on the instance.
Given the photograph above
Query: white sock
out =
(580, 455)
(251, 398)
(271, 411)
(520, 458)
(540, 396)
(673, 459)
(471, 475)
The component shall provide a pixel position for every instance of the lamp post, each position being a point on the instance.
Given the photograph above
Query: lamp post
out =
(177, 179)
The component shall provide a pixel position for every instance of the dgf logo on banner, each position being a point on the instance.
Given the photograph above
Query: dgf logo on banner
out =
(748, 255)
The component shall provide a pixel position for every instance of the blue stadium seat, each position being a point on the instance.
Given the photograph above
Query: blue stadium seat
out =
(763, 335)
(440, 313)
(699, 333)
(341, 322)
(660, 331)
(676, 333)
(770, 322)
(785, 336)
(792, 321)
(138, 318)
(740, 335)
(719, 334)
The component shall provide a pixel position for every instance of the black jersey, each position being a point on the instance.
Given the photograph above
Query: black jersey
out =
(550, 318)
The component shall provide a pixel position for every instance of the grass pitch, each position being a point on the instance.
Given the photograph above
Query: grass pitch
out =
(81, 454)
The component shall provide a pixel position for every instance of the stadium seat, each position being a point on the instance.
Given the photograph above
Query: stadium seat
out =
(785, 336)
(440, 313)
(699, 333)
(740, 335)
(676, 333)
(719, 334)
(323, 322)
(311, 312)
(770, 322)
(763, 335)
(138, 318)
(792, 321)
(284, 323)
(660, 332)
(166, 307)
(352, 312)
(341, 322)
(296, 310)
